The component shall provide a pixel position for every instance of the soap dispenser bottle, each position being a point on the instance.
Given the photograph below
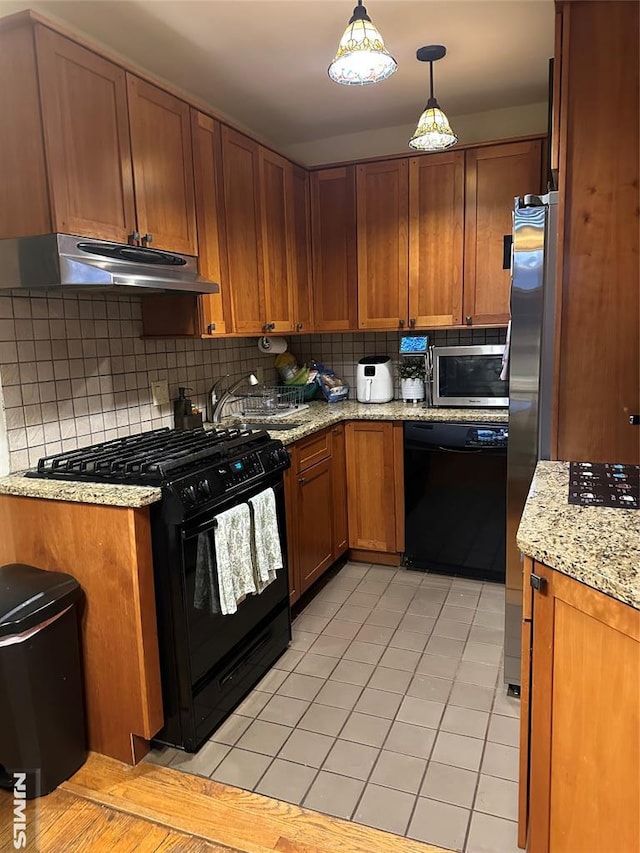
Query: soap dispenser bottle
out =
(182, 409)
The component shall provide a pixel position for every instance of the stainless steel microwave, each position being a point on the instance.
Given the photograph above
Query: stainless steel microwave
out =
(469, 376)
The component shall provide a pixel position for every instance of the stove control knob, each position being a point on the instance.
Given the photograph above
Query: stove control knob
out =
(189, 495)
(204, 488)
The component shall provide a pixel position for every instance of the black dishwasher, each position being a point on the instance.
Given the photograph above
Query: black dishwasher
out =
(455, 481)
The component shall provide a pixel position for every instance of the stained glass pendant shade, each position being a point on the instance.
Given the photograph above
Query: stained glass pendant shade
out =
(362, 57)
(433, 132)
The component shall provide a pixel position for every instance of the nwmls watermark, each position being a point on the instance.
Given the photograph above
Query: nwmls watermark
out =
(19, 811)
(18, 831)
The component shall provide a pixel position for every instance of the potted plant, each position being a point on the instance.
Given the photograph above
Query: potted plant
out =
(412, 378)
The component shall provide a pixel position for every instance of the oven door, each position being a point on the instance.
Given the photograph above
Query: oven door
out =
(210, 661)
(212, 636)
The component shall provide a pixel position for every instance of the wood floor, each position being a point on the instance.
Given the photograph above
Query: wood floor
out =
(109, 806)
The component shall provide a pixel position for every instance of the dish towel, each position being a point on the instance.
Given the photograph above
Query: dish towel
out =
(233, 556)
(205, 594)
(265, 538)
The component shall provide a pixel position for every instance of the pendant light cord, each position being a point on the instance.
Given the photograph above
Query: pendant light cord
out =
(431, 80)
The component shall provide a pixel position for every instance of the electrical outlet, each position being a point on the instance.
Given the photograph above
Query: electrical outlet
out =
(160, 392)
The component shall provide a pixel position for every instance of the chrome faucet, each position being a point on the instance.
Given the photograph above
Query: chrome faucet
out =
(215, 406)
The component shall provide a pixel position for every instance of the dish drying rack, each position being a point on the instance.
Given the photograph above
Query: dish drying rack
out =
(275, 401)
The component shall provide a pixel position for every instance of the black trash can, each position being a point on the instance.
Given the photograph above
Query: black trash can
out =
(42, 727)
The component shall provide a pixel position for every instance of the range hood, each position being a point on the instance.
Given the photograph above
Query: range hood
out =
(79, 263)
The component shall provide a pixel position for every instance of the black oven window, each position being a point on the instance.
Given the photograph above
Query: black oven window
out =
(472, 376)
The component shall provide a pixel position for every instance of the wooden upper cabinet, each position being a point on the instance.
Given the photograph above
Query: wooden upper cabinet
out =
(276, 205)
(494, 176)
(301, 272)
(333, 219)
(162, 167)
(207, 161)
(86, 133)
(598, 387)
(382, 191)
(24, 200)
(436, 239)
(241, 170)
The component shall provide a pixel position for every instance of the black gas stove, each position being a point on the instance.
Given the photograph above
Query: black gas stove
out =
(195, 468)
(209, 662)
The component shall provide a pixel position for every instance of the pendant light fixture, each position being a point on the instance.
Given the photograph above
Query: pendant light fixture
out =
(362, 57)
(433, 132)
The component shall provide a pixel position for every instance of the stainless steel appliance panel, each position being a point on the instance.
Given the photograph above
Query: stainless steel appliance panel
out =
(530, 386)
(469, 376)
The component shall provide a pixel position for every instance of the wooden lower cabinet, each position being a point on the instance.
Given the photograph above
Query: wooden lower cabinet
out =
(107, 549)
(316, 508)
(580, 719)
(375, 491)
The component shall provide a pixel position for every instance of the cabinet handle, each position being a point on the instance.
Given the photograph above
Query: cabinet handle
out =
(302, 480)
(412, 322)
(134, 237)
(401, 324)
(507, 241)
(335, 431)
(299, 327)
(211, 328)
(467, 319)
(148, 238)
(272, 326)
(634, 420)
(538, 582)
(265, 327)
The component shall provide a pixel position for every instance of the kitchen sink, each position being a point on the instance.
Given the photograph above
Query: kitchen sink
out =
(270, 425)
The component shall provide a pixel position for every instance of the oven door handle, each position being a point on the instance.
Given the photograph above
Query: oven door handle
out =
(210, 523)
(462, 450)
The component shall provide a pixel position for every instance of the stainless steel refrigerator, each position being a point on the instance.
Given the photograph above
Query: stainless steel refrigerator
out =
(531, 358)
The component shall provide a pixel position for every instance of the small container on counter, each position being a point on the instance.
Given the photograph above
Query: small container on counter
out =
(184, 414)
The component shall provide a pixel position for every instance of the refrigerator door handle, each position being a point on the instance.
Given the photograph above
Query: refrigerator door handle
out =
(507, 248)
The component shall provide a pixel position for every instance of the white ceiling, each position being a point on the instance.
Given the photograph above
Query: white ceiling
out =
(262, 63)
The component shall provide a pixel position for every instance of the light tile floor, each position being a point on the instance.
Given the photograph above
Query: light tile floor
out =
(388, 709)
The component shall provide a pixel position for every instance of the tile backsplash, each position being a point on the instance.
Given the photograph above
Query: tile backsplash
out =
(74, 369)
(342, 352)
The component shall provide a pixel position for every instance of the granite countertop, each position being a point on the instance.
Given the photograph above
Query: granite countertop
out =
(86, 493)
(598, 546)
(318, 416)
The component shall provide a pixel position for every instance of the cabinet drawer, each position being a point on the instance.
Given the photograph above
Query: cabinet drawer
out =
(313, 449)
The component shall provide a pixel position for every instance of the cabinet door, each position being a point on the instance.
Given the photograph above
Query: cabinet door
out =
(162, 167)
(339, 472)
(436, 239)
(86, 132)
(303, 314)
(494, 176)
(585, 720)
(314, 522)
(240, 165)
(598, 387)
(290, 497)
(276, 189)
(382, 192)
(370, 486)
(333, 222)
(207, 161)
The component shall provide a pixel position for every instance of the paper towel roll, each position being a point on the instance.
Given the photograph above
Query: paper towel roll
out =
(272, 345)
